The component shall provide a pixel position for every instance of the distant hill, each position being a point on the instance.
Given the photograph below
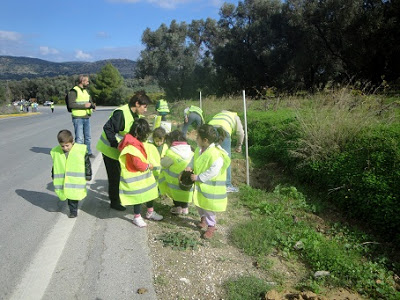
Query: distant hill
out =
(16, 68)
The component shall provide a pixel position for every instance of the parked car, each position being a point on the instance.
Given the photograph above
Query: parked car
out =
(47, 103)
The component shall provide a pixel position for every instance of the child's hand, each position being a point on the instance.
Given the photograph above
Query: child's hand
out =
(188, 169)
(186, 119)
(193, 177)
(151, 166)
(238, 149)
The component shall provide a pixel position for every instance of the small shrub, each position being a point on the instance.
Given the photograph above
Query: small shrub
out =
(179, 241)
(246, 288)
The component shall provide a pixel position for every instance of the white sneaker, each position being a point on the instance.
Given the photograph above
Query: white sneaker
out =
(232, 189)
(139, 222)
(176, 210)
(185, 211)
(154, 216)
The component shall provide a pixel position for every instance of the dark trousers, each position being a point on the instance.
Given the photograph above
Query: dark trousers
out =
(113, 173)
(181, 204)
(73, 206)
(137, 208)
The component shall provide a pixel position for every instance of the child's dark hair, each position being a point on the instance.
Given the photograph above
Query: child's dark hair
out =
(139, 97)
(159, 132)
(213, 134)
(140, 129)
(175, 136)
(65, 136)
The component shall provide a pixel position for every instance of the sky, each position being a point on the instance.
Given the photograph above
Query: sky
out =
(91, 30)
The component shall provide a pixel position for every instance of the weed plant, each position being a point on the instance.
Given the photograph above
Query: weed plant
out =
(179, 241)
(280, 222)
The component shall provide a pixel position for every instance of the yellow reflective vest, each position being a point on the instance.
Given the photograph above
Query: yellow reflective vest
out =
(154, 158)
(69, 176)
(163, 106)
(211, 195)
(169, 178)
(226, 120)
(82, 96)
(103, 145)
(135, 187)
(197, 110)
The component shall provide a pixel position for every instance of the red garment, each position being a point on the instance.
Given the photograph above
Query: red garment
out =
(178, 143)
(133, 163)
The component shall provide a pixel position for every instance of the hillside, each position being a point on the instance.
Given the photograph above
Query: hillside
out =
(16, 68)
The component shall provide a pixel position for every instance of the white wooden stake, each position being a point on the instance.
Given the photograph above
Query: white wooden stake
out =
(200, 101)
(246, 140)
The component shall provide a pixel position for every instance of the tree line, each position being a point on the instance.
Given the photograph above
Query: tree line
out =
(286, 45)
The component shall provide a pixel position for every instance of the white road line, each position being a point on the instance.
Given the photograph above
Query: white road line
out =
(38, 275)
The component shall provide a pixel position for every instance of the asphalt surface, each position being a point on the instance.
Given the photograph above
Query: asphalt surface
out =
(43, 253)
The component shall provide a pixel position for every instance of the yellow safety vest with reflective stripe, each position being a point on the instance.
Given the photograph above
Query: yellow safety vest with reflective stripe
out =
(226, 120)
(103, 145)
(197, 110)
(171, 177)
(163, 107)
(82, 96)
(211, 195)
(135, 187)
(154, 158)
(69, 176)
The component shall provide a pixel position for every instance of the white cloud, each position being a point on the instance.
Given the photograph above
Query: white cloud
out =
(44, 50)
(102, 35)
(10, 36)
(79, 54)
(168, 4)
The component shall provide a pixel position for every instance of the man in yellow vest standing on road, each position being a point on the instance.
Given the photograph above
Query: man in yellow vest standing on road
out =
(230, 122)
(82, 107)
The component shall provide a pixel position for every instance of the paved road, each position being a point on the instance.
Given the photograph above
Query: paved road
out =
(43, 253)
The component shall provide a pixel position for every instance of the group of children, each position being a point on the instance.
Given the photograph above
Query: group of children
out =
(149, 170)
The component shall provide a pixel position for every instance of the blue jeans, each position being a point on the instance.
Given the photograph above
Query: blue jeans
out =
(226, 145)
(82, 132)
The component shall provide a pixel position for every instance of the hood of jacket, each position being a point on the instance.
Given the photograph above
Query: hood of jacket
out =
(131, 140)
(183, 150)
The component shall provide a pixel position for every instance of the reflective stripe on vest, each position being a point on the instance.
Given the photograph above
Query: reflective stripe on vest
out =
(82, 96)
(197, 110)
(69, 173)
(211, 195)
(103, 145)
(163, 106)
(154, 158)
(171, 176)
(226, 120)
(135, 187)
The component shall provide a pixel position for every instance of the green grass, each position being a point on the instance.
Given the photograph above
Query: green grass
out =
(280, 221)
(246, 288)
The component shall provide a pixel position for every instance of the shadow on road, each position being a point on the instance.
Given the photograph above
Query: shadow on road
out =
(50, 203)
(40, 150)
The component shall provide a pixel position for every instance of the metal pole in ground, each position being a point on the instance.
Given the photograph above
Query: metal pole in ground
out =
(200, 101)
(245, 139)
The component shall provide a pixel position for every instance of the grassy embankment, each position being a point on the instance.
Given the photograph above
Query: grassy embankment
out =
(342, 151)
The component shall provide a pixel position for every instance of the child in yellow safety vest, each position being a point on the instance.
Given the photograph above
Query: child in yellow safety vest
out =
(209, 165)
(156, 150)
(137, 183)
(71, 169)
(176, 159)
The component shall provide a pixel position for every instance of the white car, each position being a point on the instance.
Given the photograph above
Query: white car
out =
(47, 103)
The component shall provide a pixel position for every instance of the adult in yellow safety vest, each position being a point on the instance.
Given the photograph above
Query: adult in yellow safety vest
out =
(192, 115)
(230, 122)
(82, 107)
(117, 126)
(162, 109)
(71, 170)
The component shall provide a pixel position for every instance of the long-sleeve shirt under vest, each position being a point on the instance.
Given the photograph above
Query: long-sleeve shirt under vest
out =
(116, 124)
(72, 95)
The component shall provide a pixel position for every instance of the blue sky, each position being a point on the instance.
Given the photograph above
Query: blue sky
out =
(90, 30)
